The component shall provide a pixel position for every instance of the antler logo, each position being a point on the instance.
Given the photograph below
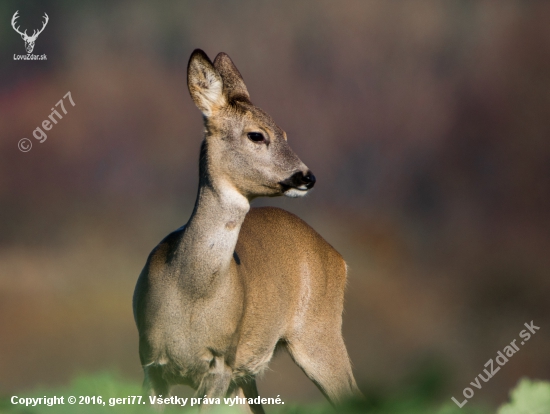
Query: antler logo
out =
(29, 40)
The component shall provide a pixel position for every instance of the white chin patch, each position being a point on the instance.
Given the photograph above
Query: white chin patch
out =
(293, 192)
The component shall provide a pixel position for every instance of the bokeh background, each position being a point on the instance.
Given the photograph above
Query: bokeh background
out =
(427, 124)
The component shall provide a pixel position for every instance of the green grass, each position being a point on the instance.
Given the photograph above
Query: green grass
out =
(529, 397)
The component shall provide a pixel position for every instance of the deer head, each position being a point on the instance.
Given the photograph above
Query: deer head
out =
(29, 40)
(245, 148)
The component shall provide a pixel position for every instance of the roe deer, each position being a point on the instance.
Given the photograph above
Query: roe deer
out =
(218, 295)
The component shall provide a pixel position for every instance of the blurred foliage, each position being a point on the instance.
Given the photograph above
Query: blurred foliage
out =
(529, 397)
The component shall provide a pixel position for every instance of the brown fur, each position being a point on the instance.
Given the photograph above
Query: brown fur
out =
(219, 295)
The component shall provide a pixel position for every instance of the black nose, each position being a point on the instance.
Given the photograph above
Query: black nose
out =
(299, 179)
(308, 180)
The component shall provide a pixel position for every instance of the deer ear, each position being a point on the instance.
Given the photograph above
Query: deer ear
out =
(205, 83)
(233, 83)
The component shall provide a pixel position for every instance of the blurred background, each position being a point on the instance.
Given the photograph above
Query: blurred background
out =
(426, 123)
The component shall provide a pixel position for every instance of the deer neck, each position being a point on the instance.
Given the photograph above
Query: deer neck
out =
(208, 243)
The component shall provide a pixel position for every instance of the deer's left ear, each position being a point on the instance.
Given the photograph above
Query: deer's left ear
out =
(205, 83)
(233, 83)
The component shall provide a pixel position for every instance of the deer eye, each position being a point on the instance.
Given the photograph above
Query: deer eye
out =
(256, 136)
